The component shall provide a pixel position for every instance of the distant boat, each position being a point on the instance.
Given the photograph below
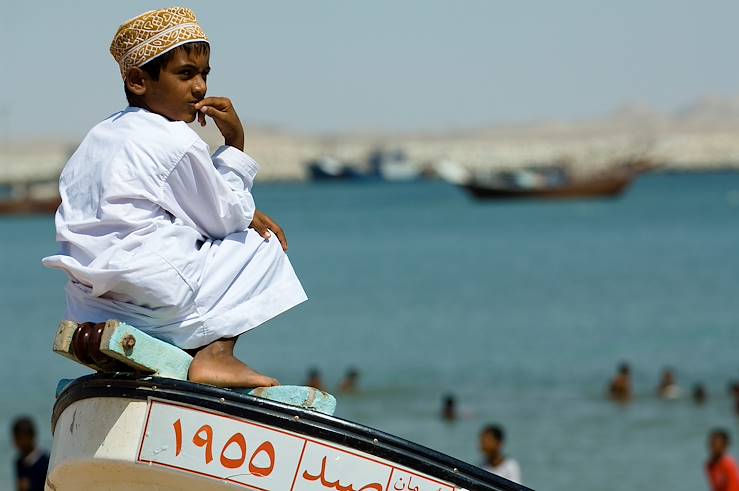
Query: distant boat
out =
(330, 169)
(555, 184)
(29, 206)
(382, 165)
(393, 166)
(29, 198)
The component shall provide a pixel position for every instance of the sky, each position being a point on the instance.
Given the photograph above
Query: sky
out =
(332, 66)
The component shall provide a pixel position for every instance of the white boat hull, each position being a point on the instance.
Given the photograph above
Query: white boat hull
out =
(145, 436)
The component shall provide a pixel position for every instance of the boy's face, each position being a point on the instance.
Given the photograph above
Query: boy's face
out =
(716, 445)
(25, 442)
(182, 83)
(489, 445)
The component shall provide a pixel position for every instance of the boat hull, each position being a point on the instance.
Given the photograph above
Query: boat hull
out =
(606, 188)
(30, 206)
(130, 433)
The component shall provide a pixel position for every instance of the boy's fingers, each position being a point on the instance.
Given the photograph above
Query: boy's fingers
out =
(278, 231)
(283, 241)
(281, 237)
(207, 101)
(212, 112)
(217, 102)
(201, 118)
(261, 229)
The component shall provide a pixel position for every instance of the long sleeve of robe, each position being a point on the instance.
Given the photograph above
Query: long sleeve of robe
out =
(154, 232)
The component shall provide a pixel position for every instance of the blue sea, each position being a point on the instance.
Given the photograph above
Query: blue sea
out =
(521, 310)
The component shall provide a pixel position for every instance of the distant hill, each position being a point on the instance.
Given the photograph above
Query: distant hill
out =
(711, 111)
(701, 135)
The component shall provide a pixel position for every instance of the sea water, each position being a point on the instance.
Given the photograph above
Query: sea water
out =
(522, 310)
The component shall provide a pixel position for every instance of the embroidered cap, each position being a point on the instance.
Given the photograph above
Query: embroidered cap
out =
(152, 33)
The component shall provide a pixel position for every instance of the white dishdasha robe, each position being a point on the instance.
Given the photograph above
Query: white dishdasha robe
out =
(154, 232)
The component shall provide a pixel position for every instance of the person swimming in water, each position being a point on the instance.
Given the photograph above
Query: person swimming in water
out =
(619, 389)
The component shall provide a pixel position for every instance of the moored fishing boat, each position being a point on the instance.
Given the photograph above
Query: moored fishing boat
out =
(610, 184)
(133, 431)
(610, 187)
(29, 197)
(29, 206)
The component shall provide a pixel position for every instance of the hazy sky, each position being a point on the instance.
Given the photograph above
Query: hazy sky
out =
(382, 64)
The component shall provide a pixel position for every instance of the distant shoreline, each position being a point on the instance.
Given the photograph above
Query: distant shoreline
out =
(705, 137)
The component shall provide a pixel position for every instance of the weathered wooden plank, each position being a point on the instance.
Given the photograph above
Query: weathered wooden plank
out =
(63, 342)
(144, 353)
(305, 397)
(63, 339)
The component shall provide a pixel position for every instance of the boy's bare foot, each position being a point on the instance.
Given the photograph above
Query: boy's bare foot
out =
(216, 365)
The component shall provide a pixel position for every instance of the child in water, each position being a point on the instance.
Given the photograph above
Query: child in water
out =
(156, 232)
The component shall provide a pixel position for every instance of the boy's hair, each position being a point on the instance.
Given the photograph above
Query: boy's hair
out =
(722, 434)
(154, 67)
(23, 426)
(496, 431)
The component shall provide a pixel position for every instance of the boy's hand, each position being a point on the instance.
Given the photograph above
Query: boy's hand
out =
(224, 114)
(263, 224)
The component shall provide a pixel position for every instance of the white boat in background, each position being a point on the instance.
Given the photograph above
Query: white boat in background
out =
(136, 432)
(393, 166)
(451, 172)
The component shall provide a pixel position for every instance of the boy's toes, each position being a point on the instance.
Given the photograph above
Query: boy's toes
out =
(271, 382)
(259, 380)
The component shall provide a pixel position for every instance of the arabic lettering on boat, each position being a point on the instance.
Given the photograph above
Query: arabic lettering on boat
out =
(321, 476)
(402, 484)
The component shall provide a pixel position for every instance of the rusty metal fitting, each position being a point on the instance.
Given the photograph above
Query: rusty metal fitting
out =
(128, 342)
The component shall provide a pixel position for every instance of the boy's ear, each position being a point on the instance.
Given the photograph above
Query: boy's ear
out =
(136, 81)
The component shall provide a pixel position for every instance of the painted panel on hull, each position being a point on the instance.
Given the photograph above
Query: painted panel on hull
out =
(262, 457)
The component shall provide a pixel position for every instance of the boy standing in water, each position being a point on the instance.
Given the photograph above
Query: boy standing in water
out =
(32, 462)
(722, 471)
(492, 441)
(158, 233)
(620, 387)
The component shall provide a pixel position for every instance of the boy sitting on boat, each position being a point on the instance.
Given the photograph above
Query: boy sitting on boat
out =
(156, 232)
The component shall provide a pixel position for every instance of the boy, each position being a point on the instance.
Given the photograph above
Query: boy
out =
(722, 471)
(157, 233)
(32, 462)
(620, 387)
(492, 440)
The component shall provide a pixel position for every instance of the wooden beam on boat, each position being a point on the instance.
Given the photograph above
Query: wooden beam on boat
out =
(295, 395)
(144, 353)
(63, 342)
(118, 347)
